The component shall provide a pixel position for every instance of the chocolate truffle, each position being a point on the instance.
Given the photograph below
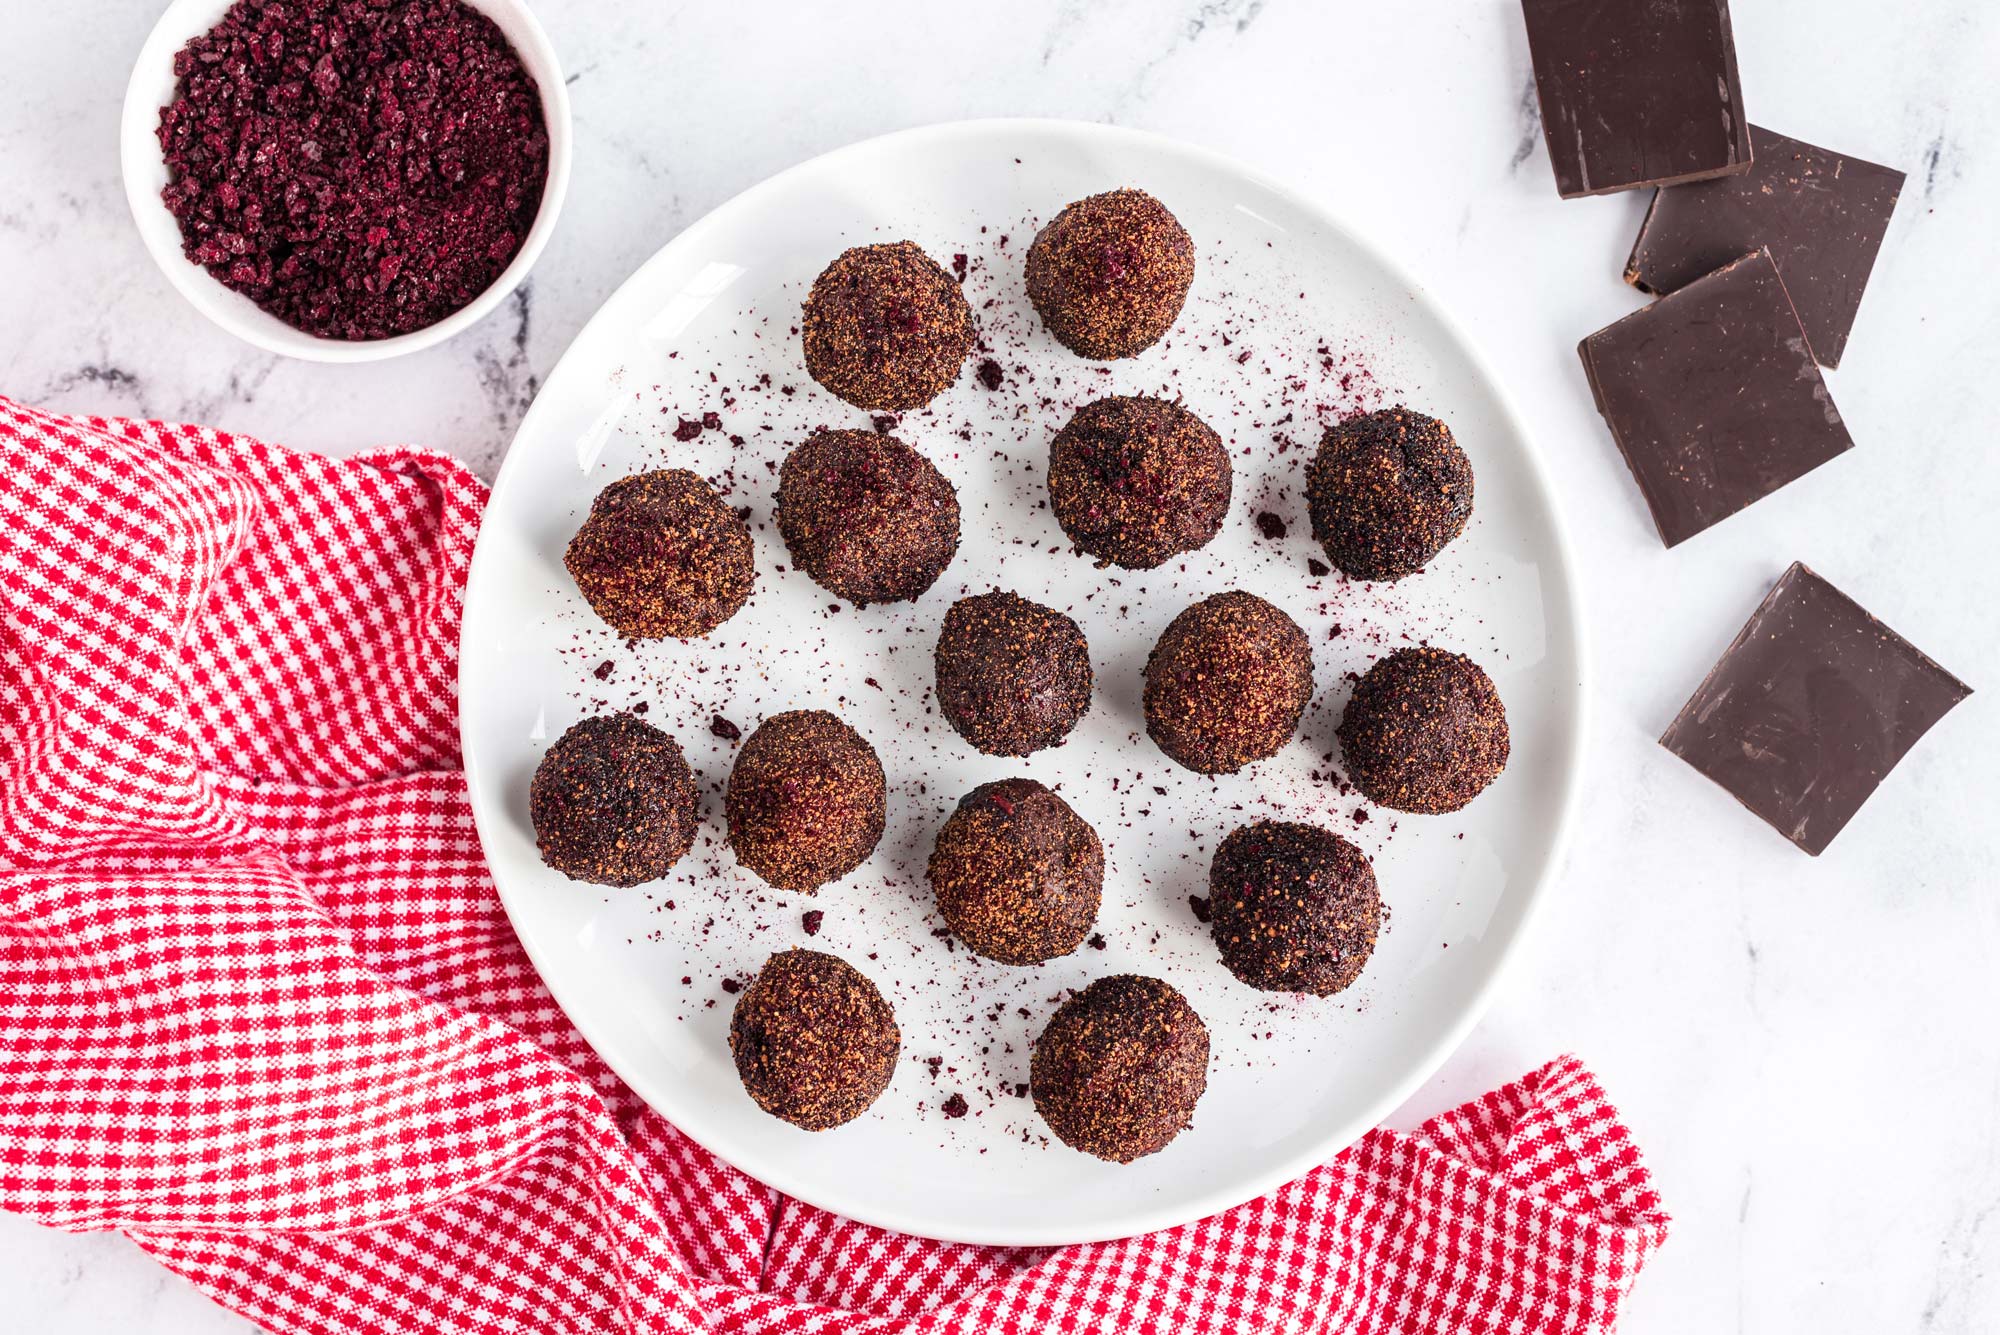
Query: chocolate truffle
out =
(1137, 481)
(613, 802)
(661, 556)
(1294, 907)
(866, 516)
(1119, 1068)
(1425, 731)
(1387, 491)
(1227, 682)
(1017, 874)
(885, 328)
(814, 1041)
(1109, 274)
(1012, 676)
(806, 800)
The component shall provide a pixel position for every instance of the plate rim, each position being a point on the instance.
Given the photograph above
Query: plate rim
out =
(1535, 897)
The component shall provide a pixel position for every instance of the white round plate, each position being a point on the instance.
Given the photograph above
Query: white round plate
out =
(1293, 321)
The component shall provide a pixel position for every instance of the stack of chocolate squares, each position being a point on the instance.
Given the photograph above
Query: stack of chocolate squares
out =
(1758, 248)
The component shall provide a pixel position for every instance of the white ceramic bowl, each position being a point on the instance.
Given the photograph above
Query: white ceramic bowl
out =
(1294, 1079)
(145, 169)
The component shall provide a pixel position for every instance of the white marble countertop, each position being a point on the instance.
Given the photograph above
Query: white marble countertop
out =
(1802, 1046)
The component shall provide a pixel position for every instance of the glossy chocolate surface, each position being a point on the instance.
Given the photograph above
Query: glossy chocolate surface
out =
(1713, 396)
(1810, 708)
(1636, 93)
(1821, 215)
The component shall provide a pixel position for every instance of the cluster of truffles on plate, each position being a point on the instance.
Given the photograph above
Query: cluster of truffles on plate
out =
(1018, 875)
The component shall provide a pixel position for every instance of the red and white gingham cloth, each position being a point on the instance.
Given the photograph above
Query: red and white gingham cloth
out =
(260, 1009)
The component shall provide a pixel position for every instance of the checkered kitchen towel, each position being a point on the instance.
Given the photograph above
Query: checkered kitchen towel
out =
(261, 1011)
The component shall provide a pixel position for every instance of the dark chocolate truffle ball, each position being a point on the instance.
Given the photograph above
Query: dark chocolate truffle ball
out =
(1109, 274)
(885, 328)
(866, 516)
(613, 802)
(1227, 682)
(814, 1041)
(1137, 481)
(1425, 732)
(1012, 676)
(661, 556)
(1387, 491)
(1018, 875)
(1294, 907)
(806, 800)
(1119, 1068)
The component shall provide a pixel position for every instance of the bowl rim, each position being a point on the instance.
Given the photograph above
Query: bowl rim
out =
(1571, 594)
(143, 168)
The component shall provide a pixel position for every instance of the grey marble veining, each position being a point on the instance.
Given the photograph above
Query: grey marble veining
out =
(1802, 1046)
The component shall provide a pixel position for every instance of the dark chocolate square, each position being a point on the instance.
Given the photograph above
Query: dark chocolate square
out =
(1636, 92)
(1821, 215)
(1809, 709)
(1713, 396)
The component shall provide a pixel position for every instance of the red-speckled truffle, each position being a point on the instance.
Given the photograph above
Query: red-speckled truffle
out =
(813, 1040)
(806, 800)
(1110, 273)
(1120, 1067)
(885, 328)
(1387, 491)
(1013, 676)
(613, 802)
(1137, 481)
(1294, 907)
(660, 556)
(1018, 875)
(1227, 683)
(1424, 732)
(866, 516)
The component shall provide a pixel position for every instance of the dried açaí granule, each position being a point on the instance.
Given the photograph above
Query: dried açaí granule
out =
(358, 168)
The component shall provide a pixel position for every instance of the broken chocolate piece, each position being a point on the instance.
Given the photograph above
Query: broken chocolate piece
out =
(1636, 94)
(1821, 215)
(1809, 709)
(1713, 396)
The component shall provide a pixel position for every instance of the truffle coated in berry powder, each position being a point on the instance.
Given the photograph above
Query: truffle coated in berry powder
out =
(1387, 491)
(1293, 907)
(885, 328)
(358, 169)
(1110, 273)
(660, 556)
(1425, 732)
(1137, 481)
(1018, 875)
(613, 802)
(1013, 676)
(1120, 1067)
(813, 1039)
(806, 800)
(1227, 683)
(866, 516)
